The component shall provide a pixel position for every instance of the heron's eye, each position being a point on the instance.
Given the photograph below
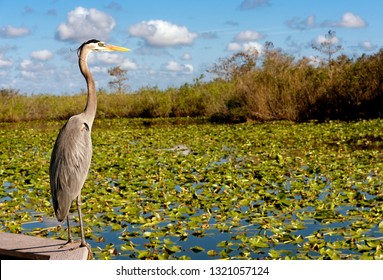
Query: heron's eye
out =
(101, 44)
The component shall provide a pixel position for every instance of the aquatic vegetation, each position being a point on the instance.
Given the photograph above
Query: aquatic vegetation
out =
(274, 190)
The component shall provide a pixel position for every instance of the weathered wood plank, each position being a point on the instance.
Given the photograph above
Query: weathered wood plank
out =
(20, 246)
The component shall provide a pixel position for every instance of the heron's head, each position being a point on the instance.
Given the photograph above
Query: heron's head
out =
(97, 45)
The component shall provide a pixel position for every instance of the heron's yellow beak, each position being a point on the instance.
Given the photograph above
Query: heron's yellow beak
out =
(116, 48)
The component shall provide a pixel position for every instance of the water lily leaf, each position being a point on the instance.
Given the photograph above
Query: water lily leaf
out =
(363, 247)
(224, 244)
(147, 234)
(197, 249)
(172, 249)
(274, 254)
(259, 242)
(212, 253)
(143, 255)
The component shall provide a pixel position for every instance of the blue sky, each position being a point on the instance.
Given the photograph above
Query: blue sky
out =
(172, 42)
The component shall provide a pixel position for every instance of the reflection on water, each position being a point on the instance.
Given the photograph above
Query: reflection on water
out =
(8, 188)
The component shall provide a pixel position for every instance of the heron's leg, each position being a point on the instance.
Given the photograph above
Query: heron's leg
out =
(83, 243)
(70, 239)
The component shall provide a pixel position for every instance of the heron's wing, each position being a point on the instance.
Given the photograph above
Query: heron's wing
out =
(70, 163)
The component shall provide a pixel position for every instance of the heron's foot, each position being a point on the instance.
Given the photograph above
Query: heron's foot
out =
(90, 254)
(69, 242)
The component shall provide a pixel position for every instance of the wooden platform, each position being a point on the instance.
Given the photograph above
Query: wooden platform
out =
(25, 247)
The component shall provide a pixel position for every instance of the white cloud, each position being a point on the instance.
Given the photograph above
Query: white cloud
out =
(352, 21)
(42, 55)
(127, 64)
(112, 58)
(246, 41)
(321, 39)
(234, 47)
(28, 74)
(5, 62)
(25, 64)
(173, 66)
(98, 69)
(83, 24)
(349, 20)
(32, 70)
(314, 61)
(367, 46)
(245, 47)
(186, 56)
(13, 32)
(105, 57)
(251, 46)
(248, 35)
(160, 33)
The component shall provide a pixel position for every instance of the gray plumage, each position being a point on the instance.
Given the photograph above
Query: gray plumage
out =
(72, 152)
(70, 163)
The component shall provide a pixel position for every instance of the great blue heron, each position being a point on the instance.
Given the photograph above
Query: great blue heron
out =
(72, 151)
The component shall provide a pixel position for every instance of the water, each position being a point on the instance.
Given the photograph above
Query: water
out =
(8, 188)
(113, 243)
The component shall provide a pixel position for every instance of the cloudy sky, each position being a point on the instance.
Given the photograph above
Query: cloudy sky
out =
(172, 42)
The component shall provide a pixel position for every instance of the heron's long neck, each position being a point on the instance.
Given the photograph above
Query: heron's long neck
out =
(91, 103)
